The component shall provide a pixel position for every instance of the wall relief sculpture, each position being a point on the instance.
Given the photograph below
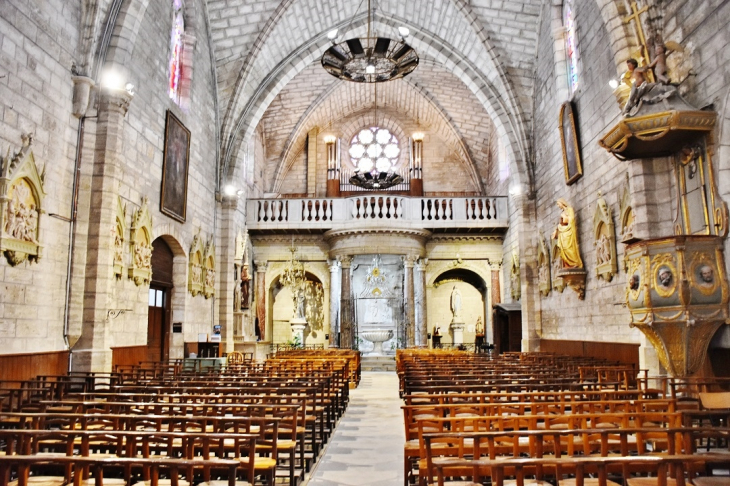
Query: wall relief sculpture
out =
(605, 241)
(195, 266)
(627, 217)
(567, 263)
(119, 230)
(514, 276)
(140, 244)
(543, 267)
(21, 199)
(209, 269)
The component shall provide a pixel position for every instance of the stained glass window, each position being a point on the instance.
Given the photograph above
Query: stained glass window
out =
(571, 54)
(176, 49)
(374, 148)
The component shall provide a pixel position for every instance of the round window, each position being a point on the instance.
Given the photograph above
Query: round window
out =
(374, 148)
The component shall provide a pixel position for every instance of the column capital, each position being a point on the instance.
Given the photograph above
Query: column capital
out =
(409, 260)
(345, 260)
(421, 264)
(333, 265)
(116, 99)
(260, 265)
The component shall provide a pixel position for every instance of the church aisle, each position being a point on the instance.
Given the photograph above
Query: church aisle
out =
(367, 447)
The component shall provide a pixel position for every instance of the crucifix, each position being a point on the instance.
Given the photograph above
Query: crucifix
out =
(640, 37)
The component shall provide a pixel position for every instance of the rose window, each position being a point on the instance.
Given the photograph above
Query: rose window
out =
(374, 149)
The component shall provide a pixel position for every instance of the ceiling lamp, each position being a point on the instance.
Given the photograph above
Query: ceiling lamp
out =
(376, 179)
(370, 59)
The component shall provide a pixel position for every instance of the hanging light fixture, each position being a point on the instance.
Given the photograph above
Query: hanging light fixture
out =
(370, 59)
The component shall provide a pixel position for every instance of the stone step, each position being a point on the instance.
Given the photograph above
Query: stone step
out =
(377, 363)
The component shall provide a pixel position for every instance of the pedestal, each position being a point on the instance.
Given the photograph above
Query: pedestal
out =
(457, 331)
(297, 328)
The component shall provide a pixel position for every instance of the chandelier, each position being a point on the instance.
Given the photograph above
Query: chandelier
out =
(370, 59)
(375, 179)
(293, 276)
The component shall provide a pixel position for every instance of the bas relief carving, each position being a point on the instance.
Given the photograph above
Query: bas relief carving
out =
(543, 267)
(605, 241)
(21, 198)
(140, 244)
(195, 266)
(514, 276)
(119, 229)
(626, 214)
(209, 269)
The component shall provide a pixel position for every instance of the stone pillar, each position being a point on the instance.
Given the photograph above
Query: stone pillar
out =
(496, 299)
(92, 352)
(261, 297)
(496, 289)
(421, 308)
(226, 271)
(335, 294)
(346, 320)
(410, 299)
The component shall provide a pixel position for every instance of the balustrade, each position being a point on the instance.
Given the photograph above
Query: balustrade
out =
(427, 212)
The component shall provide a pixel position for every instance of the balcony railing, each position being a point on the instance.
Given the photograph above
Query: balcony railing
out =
(416, 212)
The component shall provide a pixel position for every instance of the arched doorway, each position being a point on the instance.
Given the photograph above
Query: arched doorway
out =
(160, 293)
(475, 297)
(282, 309)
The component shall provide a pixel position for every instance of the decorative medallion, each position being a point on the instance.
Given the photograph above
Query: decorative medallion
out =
(21, 200)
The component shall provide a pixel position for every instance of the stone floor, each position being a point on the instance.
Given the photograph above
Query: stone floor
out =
(367, 447)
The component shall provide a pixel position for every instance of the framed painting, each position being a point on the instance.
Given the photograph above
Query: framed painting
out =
(174, 192)
(569, 141)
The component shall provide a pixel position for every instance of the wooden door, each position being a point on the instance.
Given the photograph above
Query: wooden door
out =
(157, 324)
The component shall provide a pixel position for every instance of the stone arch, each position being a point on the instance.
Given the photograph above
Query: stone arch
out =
(508, 122)
(122, 43)
(473, 278)
(170, 234)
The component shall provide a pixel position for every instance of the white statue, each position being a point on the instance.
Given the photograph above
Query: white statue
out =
(300, 305)
(456, 302)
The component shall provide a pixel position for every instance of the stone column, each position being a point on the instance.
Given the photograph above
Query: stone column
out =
(496, 299)
(92, 352)
(335, 294)
(261, 297)
(225, 271)
(346, 320)
(410, 299)
(421, 307)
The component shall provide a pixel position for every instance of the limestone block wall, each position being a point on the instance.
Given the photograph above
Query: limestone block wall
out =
(602, 317)
(38, 40)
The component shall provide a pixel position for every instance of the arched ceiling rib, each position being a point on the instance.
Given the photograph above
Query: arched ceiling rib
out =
(489, 44)
(434, 97)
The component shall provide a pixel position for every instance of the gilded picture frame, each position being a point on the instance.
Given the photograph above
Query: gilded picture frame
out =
(175, 163)
(569, 142)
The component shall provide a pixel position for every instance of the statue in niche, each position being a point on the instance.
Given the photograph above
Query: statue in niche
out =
(210, 277)
(118, 248)
(301, 314)
(603, 250)
(142, 255)
(198, 274)
(21, 214)
(566, 235)
(456, 302)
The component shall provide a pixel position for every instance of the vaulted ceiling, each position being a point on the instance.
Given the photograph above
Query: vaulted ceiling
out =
(475, 75)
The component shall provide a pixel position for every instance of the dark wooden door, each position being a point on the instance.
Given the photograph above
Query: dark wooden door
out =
(160, 310)
(157, 324)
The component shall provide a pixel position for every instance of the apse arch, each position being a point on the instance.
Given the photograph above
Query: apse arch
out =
(274, 305)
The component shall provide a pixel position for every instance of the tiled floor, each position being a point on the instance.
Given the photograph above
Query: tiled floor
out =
(367, 447)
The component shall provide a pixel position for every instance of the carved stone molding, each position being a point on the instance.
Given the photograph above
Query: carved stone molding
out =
(605, 241)
(21, 204)
(140, 244)
(119, 231)
(195, 266)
